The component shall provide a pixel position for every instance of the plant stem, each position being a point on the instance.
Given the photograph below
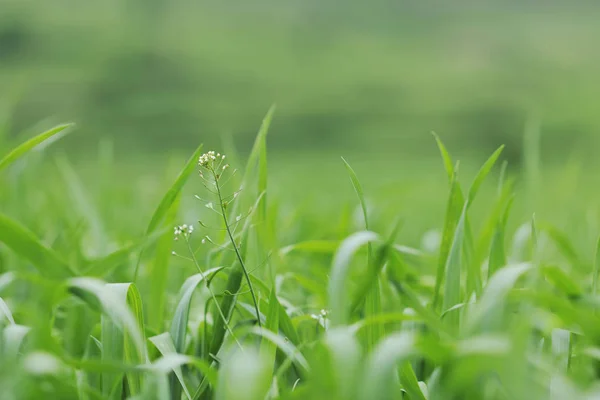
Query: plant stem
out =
(237, 251)
(205, 279)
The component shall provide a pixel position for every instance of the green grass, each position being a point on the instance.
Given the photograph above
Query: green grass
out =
(279, 297)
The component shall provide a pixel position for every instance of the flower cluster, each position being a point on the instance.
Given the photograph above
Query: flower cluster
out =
(184, 230)
(322, 318)
(207, 160)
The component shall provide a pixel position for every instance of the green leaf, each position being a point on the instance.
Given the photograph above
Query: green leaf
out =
(596, 269)
(453, 273)
(22, 149)
(337, 288)
(483, 173)
(497, 257)
(164, 344)
(123, 338)
(267, 348)
(409, 382)
(346, 358)
(359, 191)
(380, 368)
(561, 280)
(83, 205)
(179, 323)
(23, 242)
(171, 195)
(490, 304)
(448, 164)
(453, 210)
(158, 270)
(244, 375)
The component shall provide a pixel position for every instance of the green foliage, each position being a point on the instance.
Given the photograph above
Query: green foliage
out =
(260, 301)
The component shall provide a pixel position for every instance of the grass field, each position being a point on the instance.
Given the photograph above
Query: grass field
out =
(235, 278)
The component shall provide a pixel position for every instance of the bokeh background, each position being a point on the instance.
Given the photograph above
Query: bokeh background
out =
(147, 80)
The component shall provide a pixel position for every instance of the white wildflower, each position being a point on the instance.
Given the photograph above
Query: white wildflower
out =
(184, 230)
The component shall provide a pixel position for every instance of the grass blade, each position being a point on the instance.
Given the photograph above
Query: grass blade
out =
(22, 149)
(453, 273)
(483, 173)
(171, 195)
(164, 344)
(337, 290)
(24, 243)
(453, 210)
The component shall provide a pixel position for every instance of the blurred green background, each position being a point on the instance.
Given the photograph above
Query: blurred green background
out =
(147, 80)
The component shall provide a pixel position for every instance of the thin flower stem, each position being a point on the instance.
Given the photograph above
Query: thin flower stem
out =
(204, 278)
(237, 251)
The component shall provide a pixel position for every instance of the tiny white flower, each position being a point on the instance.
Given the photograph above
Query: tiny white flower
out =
(238, 218)
(209, 205)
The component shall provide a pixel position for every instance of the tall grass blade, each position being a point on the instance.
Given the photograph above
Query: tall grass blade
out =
(22, 149)
(337, 289)
(24, 243)
(164, 344)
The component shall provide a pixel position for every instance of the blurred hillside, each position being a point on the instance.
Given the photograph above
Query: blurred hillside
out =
(348, 75)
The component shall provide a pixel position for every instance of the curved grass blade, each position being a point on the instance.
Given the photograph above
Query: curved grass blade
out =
(497, 257)
(244, 375)
(453, 209)
(337, 290)
(23, 242)
(83, 204)
(483, 173)
(453, 273)
(285, 346)
(164, 344)
(346, 356)
(169, 197)
(496, 290)
(381, 366)
(22, 149)
(179, 323)
(122, 335)
(448, 164)
(596, 269)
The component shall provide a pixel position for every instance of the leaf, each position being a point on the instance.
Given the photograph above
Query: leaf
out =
(83, 205)
(179, 324)
(448, 164)
(596, 269)
(346, 358)
(561, 280)
(409, 381)
(380, 368)
(103, 266)
(244, 375)
(164, 344)
(267, 348)
(311, 246)
(285, 346)
(483, 173)
(453, 208)
(158, 270)
(25, 244)
(489, 306)
(5, 312)
(171, 195)
(359, 191)
(337, 290)
(13, 338)
(122, 337)
(497, 257)
(22, 149)
(453, 273)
